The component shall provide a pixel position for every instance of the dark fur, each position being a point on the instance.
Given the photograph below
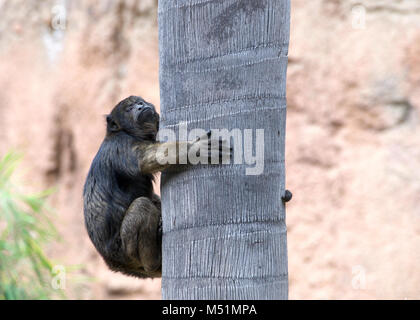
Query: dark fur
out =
(113, 183)
(122, 213)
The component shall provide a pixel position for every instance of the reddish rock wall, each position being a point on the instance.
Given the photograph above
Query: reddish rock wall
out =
(353, 132)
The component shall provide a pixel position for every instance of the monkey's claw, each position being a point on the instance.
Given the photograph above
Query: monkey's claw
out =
(215, 150)
(220, 150)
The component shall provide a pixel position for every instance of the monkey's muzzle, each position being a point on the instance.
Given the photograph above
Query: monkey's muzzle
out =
(144, 113)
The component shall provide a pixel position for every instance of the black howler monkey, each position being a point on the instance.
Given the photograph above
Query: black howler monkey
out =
(122, 213)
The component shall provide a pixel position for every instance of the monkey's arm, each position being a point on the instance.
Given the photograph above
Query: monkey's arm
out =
(160, 156)
(117, 154)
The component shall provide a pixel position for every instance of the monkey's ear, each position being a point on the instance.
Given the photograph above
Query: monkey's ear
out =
(112, 125)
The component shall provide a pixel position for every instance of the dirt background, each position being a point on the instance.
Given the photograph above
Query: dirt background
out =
(353, 133)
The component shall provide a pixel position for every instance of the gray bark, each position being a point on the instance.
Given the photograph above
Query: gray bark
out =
(223, 65)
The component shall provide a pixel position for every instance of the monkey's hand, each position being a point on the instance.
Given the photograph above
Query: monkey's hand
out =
(206, 150)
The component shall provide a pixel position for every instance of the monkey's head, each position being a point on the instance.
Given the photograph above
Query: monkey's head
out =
(135, 117)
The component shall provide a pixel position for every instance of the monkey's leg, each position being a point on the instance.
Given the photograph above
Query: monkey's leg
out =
(140, 235)
(156, 201)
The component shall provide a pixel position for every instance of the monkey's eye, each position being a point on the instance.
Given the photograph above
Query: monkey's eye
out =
(128, 109)
(141, 104)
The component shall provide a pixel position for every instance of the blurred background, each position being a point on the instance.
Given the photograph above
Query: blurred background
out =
(352, 151)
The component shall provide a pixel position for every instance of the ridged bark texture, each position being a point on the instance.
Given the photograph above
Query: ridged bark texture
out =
(223, 65)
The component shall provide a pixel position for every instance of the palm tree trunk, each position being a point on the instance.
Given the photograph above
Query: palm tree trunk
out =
(223, 65)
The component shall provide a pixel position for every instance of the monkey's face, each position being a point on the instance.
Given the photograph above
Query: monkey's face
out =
(135, 117)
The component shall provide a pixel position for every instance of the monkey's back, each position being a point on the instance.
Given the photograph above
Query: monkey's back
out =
(112, 184)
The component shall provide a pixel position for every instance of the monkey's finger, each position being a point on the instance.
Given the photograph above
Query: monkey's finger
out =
(224, 149)
(219, 155)
(205, 137)
(225, 146)
(219, 140)
(221, 143)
